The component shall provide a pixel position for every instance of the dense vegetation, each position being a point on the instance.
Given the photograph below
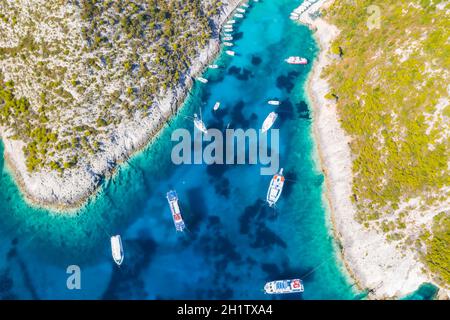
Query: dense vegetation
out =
(392, 90)
(438, 253)
(110, 60)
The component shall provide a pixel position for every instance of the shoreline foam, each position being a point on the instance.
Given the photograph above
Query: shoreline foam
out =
(373, 262)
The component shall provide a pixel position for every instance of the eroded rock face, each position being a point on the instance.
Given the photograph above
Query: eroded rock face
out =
(84, 84)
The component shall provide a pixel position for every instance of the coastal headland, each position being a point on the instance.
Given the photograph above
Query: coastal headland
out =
(68, 190)
(378, 266)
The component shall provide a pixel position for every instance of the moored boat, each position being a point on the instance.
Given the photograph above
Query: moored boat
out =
(269, 121)
(296, 60)
(274, 102)
(238, 15)
(216, 106)
(117, 249)
(213, 66)
(199, 124)
(275, 188)
(202, 80)
(172, 198)
(230, 53)
(284, 286)
(228, 44)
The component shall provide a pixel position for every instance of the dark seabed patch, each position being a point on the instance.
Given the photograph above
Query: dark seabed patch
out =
(242, 74)
(287, 82)
(128, 281)
(196, 208)
(237, 117)
(237, 36)
(303, 110)
(256, 61)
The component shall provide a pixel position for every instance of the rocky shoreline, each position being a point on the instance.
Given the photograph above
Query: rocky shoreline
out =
(71, 190)
(376, 265)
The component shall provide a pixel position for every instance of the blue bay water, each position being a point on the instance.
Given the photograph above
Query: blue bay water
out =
(235, 243)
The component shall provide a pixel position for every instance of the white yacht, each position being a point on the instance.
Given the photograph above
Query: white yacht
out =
(238, 15)
(213, 66)
(216, 106)
(172, 198)
(275, 188)
(230, 53)
(228, 44)
(296, 60)
(202, 80)
(274, 102)
(199, 124)
(270, 120)
(284, 286)
(117, 249)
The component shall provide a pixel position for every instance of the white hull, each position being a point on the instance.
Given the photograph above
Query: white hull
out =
(296, 60)
(275, 188)
(199, 124)
(216, 106)
(274, 102)
(284, 286)
(270, 120)
(117, 249)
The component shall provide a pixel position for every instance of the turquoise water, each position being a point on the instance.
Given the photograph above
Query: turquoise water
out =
(426, 291)
(235, 243)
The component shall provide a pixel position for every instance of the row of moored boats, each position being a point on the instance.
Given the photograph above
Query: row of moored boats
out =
(276, 183)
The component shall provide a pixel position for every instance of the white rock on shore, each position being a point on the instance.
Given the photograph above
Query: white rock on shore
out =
(370, 258)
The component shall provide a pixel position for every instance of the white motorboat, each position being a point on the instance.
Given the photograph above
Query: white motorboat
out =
(270, 120)
(275, 188)
(117, 249)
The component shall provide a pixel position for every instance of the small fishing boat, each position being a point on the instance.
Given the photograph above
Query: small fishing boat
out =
(284, 286)
(231, 21)
(202, 80)
(216, 106)
(199, 124)
(117, 249)
(238, 15)
(213, 66)
(270, 120)
(228, 44)
(296, 60)
(172, 198)
(241, 10)
(227, 38)
(228, 29)
(245, 5)
(274, 102)
(230, 53)
(275, 188)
